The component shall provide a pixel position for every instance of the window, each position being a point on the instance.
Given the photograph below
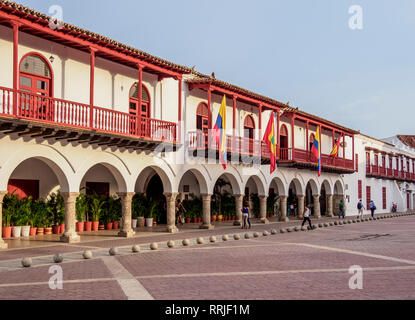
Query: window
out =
(35, 80)
(202, 117)
(368, 159)
(384, 198)
(359, 189)
(311, 141)
(186, 188)
(144, 110)
(368, 197)
(100, 188)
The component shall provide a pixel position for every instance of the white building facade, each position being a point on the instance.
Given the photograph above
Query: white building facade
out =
(80, 110)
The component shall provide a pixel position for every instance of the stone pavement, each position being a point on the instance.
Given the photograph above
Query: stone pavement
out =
(295, 265)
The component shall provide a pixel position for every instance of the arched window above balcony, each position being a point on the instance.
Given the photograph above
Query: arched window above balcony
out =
(202, 117)
(145, 102)
(35, 75)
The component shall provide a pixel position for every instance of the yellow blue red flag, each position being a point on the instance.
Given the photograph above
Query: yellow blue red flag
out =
(316, 149)
(220, 132)
(271, 141)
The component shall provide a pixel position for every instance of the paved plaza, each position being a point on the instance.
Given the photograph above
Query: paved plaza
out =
(286, 266)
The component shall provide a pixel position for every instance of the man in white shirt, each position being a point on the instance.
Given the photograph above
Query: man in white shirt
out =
(307, 213)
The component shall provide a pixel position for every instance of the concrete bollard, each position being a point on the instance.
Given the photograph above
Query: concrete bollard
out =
(113, 251)
(57, 258)
(87, 254)
(247, 236)
(225, 238)
(273, 232)
(200, 241)
(256, 235)
(154, 246)
(27, 262)
(212, 239)
(170, 244)
(237, 237)
(185, 242)
(135, 248)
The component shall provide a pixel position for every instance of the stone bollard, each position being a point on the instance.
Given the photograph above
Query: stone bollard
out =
(135, 248)
(331, 224)
(170, 244)
(185, 242)
(87, 255)
(247, 236)
(265, 233)
(113, 251)
(27, 262)
(283, 230)
(237, 237)
(320, 225)
(212, 239)
(297, 229)
(154, 246)
(273, 232)
(57, 258)
(256, 235)
(225, 238)
(326, 225)
(200, 241)
(303, 228)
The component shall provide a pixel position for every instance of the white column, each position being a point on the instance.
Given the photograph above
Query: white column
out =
(206, 198)
(283, 208)
(300, 210)
(171, 212)
(238, 207)
(317, 213)
(70, 235)
(263, 209)
(3, 245)
(126, 231)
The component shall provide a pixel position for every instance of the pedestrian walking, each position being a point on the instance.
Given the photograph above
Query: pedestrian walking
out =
(307, 213)
(245, 216)
(372, 208)
(360, 208)
(341, 209)
(180, 210)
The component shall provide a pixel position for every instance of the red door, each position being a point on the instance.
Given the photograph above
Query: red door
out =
(202, 125)
(368, 197)
(136, 111)
(249, 126)
(24, 188)
(407, 201)
(283, 143)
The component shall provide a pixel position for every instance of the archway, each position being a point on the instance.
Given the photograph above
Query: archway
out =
(294, 192)
(325, 198)
(223, 203)
(276, 190)
(338, 194)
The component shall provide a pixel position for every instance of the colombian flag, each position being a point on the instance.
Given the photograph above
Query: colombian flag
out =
(220, 132)
(336, 148)
(270, 140)
(316, 149)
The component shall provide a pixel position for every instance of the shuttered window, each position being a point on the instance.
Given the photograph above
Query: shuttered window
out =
(384, 198)
(368, 197)
(359, 189)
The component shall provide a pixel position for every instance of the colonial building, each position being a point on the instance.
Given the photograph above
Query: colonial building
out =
(80, 110)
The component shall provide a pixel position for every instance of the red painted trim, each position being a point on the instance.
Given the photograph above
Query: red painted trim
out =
(234, 114)
(209, 92)
(292, 131)
(260, 120)
(140, 95)
(91, 84)
(16, 68)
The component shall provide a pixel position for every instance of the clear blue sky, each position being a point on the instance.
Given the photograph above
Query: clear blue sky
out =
(297, 51)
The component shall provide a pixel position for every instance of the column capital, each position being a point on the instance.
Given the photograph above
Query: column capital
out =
(126, 194)
(263, 196)
(171, 195)
(207, 196)
(68, 196)
(284, 197)
(2, 195)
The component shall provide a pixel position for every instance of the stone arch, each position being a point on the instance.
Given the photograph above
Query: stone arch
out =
(147, 174)
(235, 184)
(314, 186)
(281, 188)
(338, 188)
(299, 189)
(260, 185)
(54, 160)
(327, 187)
(199, 176)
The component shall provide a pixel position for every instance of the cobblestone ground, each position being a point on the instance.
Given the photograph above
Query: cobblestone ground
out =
(287, 266)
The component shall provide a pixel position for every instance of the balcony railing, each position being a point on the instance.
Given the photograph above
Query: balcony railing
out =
(374, 170)
(299, 155)
(199, 140)
(78, 115)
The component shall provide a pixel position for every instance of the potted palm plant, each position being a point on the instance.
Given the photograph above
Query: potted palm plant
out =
(96, 209)
(139, 208)
(25, 212)
(8, 204)
(81, 208)
(37, 207)
(152, 205)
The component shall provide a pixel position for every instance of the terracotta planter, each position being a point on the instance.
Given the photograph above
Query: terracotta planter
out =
(199, 220)
(154, 224)
(220, 217)
(187, 220)
(56, 229)
(95, 225)
(48, 230)
(115, 225)
(214, 217)
(109, 226)
(141, 222)
(101, 227)
(40, 231)
(62, 230)
(6, 232)
(88, 225)
(195, 220)
(80, 226)
(234, 218)
(33, 231)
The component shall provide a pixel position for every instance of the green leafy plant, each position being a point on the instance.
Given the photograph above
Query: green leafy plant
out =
(96, 207)
(56, 204)
(10, 204)
(139, 206)
(38, 211)
(255, 204)
(151, 208)
(81, 207)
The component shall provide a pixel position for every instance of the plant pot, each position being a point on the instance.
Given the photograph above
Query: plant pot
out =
(220, 218)
(48, 230)
(154, 223)
(56, 229)
(134, 223)
(187, 220)
(149, 222)
(17, 232)
(195, 220)
(62, 230)
(40, 231)
(95, 225)
(88, 225)
(214, 218)
(25, 231)
(199, 220)
(6, 232)
(33, 231)
(109, 226)
(140, 222)
(101, 227)
(80, 226)
(115, 225)
(234, 218)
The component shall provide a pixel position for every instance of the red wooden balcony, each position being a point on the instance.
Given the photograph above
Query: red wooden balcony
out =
(78, 115)
(199, 140)
(304, 156)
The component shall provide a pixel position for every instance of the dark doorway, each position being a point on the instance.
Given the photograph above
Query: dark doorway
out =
(100, 188)
(155, 191)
